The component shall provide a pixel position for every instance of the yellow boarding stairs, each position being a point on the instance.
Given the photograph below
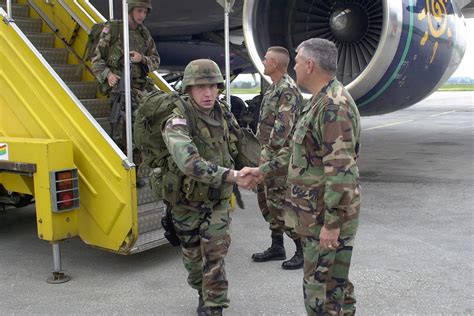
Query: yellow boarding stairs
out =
(52, 118)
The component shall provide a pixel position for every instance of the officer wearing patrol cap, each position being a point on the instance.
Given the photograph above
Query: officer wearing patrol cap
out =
(203, 143)
(107, 61)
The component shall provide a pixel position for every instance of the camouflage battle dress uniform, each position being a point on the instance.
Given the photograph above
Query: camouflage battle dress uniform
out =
(324, 189)
(199, 164)
(278, 114)
(108, 56)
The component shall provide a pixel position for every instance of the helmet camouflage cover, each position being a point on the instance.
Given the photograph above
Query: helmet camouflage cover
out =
(139, 3)
(202, 71)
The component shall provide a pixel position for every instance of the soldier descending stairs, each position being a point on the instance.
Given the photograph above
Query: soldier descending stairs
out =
(77, 76)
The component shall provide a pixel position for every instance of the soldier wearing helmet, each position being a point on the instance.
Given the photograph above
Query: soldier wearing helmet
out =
(107, 61)
(204, 142)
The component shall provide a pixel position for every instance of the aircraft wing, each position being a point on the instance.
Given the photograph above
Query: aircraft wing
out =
(391, 54)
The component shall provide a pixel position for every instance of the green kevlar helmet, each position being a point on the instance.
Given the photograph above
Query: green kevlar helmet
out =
(139, 3)
(202, 71)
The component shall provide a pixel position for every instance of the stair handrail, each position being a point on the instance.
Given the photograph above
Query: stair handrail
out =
(127, 165)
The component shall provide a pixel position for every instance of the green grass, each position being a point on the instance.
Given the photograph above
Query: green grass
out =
(457, 87)
(245, 91)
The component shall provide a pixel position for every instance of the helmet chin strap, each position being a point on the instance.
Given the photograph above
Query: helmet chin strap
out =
(135, 23)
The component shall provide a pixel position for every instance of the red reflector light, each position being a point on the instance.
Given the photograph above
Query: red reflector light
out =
(65, 200)
(64, 189)
(64, 180)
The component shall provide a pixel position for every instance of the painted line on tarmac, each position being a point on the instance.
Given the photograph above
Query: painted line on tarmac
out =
(443, 113)
(387, 125)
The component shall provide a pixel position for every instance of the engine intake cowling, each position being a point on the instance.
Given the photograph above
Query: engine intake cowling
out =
(391, 54)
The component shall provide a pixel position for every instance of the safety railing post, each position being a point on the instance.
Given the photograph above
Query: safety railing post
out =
(9, 10)
(111, 9)
(126, 77)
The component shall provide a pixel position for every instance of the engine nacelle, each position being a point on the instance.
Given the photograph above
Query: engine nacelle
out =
(391, 54)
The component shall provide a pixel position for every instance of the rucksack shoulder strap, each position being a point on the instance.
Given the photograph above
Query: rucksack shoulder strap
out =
(144, 32)
(116, 29)
(185, 109)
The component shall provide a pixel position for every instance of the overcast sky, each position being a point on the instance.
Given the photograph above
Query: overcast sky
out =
(466, 69)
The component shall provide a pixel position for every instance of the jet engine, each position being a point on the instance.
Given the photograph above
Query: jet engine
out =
(391, 54)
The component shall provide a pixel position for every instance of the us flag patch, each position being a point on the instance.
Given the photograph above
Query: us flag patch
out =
(178, 121)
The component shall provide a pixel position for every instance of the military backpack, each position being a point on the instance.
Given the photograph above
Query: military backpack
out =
(116, 29)
(154, 110)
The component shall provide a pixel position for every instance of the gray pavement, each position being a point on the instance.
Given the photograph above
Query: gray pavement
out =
(413, 253)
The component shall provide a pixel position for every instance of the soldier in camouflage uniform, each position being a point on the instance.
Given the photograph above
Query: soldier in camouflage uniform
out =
(278, 114)
(203, 143)
(107, 61)
(323, 196)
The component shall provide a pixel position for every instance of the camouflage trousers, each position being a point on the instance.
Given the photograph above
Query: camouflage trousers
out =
(203, 229)
(326, 286)
(271, 202)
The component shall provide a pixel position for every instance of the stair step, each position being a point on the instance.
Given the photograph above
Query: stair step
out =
(29, 25)
(69, 72)
(41, 40)
(55, 55)
(83, 90)
(149, 220)
(149, 240)
(99, 108)
(18, 10)
(105, 123)
(145, 194)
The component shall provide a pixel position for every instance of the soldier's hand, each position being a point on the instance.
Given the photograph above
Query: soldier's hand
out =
(112, 78)
(329, 238)
(247, 182)
(255, 172)
(136, 57)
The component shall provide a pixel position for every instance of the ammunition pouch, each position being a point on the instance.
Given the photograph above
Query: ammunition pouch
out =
(156, 183)
(201, 192)
(168, 226)
(172, 187)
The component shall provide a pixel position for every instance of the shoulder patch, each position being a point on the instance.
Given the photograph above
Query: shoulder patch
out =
(178, 121)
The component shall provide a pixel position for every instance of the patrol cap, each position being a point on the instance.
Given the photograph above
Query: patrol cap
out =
(202, 71)
(139, 3)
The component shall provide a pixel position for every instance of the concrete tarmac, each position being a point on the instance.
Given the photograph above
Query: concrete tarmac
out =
(413, 252)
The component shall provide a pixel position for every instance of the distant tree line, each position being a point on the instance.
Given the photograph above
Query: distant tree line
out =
(245, 84)
(460, 80)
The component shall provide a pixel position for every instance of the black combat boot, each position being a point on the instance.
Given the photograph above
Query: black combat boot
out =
(140, 182)
(296, 262)
(275, 252)
(200, 309)
(210, 311)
